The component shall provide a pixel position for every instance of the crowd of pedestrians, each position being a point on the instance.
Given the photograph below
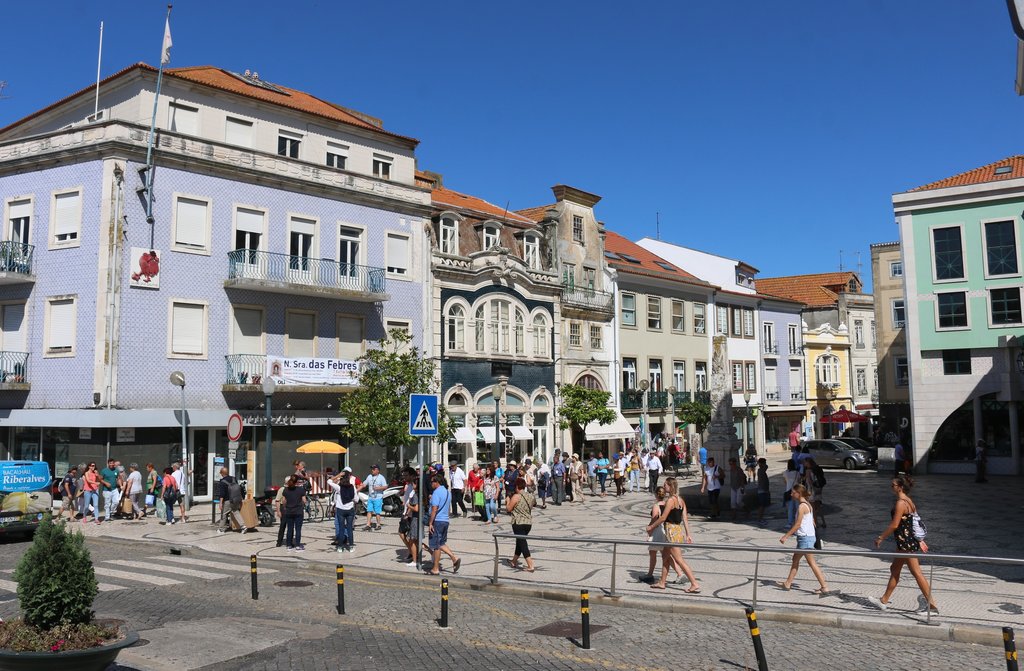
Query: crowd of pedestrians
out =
(124, 493)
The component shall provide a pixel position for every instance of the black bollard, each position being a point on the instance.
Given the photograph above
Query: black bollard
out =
(252, 574)
(755, 633)
(1010, 646)
(340, 572)
(444, 603)
(585, 614)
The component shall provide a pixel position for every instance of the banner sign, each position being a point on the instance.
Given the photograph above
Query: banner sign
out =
(24, 476)
(307, 370)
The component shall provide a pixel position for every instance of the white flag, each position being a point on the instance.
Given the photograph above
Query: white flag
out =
(165, 54)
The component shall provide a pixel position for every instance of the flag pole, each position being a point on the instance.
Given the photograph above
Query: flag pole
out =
(165, 57)
(99, 60)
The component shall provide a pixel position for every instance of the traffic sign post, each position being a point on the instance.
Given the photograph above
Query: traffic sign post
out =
(423, 424)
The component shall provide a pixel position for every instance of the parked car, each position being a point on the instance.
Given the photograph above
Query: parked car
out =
(832, 452)
(861, 444)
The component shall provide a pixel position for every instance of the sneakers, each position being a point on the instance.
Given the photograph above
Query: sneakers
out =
(220, 531)
(339, 550)
(412, 564)
(877, 603)
(300, 548)
(291, 548)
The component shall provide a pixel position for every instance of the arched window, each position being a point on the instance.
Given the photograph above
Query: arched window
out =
(540, 336)
(456, 328)
(520, 336)
(457, 400)
(500, 326)
(827, 368)
(449, 235)
(478, 329)
(590, 382)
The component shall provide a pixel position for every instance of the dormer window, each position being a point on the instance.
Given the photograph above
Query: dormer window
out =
(449, 235)
(853, 286)
(531, 251)
(577, 228)
(382, 166)
(490, 237)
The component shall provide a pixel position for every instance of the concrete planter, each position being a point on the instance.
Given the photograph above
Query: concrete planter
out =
(92, 659)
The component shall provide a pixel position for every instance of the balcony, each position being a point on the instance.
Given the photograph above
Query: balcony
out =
(796, 396)
(796, 349)
(702, 397)
(14, 371)
(299, 275)
(657, 400)
(246, 368)
(245, 373)
(632, 400)
(582, 299)
(16, 262)
(772, 396)
(770, 348)
(680, 398)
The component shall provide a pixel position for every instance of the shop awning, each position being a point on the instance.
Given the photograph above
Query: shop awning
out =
(618, 429)
(487, 432)
(464, 434)
(520, 432)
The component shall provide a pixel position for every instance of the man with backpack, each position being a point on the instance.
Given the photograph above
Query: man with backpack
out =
(711, 482)
(229, 491)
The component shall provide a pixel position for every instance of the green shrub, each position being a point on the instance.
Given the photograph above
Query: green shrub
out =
(56, 582)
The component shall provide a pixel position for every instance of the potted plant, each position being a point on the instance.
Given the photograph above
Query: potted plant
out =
(57, 629)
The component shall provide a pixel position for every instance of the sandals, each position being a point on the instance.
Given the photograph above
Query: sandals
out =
(824, 592)
(783, 586)
(657, 586)
(692, 590)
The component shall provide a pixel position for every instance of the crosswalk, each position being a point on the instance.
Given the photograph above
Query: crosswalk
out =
(119, 574)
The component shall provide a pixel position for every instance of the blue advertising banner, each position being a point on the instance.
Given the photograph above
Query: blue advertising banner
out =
(24, 476)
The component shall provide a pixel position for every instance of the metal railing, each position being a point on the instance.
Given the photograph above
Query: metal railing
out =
(13, 367)
(758, 550)
(326, 273)
(702, 397)
(681, 397)
(246, 368)
(657, 400)
(16, 257)
(772, 395)
(796, 396)
(796, 349)
(586, 298)
(631, 400)
(770, 348)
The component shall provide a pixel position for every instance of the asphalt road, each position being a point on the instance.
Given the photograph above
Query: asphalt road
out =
(195, 612)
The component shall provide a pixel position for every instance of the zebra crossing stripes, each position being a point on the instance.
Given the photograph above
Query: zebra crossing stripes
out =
(11, 586)
(135, 577)
(176, 570)
(242, 565)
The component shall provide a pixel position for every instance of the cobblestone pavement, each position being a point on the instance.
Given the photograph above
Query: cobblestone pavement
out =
(195, 612)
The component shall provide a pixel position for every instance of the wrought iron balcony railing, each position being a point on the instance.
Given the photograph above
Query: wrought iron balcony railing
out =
(246, 368)
(13, 367)
(583, 297)
(657, 400)
(16, 257)
(288, 269)
(796, 396)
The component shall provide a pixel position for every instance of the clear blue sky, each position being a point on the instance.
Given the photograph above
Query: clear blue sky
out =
(771, 132)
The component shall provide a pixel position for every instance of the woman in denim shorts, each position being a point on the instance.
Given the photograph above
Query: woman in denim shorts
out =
(803, 528)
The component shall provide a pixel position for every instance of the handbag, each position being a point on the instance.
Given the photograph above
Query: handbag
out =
(150, 500)
(478, 499)
(126, 505)
(918, 527)
(404, 525)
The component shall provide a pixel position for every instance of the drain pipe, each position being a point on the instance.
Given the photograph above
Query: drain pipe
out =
(112, 281)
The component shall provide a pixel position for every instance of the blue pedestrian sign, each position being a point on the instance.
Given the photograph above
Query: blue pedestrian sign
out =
(423, 414)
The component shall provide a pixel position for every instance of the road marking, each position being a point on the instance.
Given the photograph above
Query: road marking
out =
(177, 570)
(9, 585)
(224, 566)
(135, 577)
(13, 586)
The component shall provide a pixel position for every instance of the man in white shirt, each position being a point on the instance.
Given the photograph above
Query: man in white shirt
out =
(182, 483)
(653, 471)
(711, 482)
(457, 479)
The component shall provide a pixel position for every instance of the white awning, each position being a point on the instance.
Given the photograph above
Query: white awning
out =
(520, 432)
(465, 434)
(618, 429)
(487, 432)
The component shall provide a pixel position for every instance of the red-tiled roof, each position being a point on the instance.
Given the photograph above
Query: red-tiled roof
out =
(986, 173)
(447, 198)
(815, 290)
(536, 213)
(649, 264)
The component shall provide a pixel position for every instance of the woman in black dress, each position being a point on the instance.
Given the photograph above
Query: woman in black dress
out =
(902, 530)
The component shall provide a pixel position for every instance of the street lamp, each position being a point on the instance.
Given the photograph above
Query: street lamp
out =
(178, 380)
(746, 423)
(497, 392)
(644, 386)
(269, 387)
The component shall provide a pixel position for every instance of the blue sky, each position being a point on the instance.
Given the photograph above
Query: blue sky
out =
(771, 132)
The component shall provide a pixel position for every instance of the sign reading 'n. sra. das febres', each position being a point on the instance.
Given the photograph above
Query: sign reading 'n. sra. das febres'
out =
(313, 370)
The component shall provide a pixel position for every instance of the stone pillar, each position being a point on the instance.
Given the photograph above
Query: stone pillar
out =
(721, 442)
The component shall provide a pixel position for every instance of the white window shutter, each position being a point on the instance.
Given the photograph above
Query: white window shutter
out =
(184, 120)
(247, 331)
(300, 334)
(62, 324)
(68, 213)
(14, 328)
(238, 132)
(350, 338)
(190, 223)
(187, 328)
(19, 209)
(249, 220)
(306, 226)
(398, 253)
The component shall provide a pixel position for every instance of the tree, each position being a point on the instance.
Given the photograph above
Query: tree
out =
(693, 412)
(378, 411)
(581, 406)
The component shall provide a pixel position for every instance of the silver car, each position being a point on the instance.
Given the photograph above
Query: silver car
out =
(830, 452)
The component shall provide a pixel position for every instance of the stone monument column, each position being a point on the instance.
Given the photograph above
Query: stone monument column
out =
(721, 442)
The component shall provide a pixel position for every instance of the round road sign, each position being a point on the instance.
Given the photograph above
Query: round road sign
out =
(234, 426)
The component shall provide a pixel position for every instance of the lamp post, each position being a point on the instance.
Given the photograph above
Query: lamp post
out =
(497, 392)
(644, 386)
(178, 380)
(746, 423)
(672, 413)
(269, 387)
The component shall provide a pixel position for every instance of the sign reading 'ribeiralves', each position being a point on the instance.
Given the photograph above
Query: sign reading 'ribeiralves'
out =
(313, 371)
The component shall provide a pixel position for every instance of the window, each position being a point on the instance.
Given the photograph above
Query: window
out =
(519, 333)
(595, 337)
(771, 384)
(449, 228)
(300, 333)
(874, 335)
(575, 334)
(628, 310)
(397, 254)
(902, 371)
(948, 250)
(403, 325)
(700, 375)
(247, 331)
(699, 319)
(654, 372)
(858, 333)
(300, 246)
(12, 327)
(188, 330)
(679, 375)
(1001, 248)
(895, 269)
(348, 251)
(768, 338)
(350, 337)
(796, 381)
(191, 225)
(862, 382)
(721, 320)
(952, 309)
(751, 369)
(478, 329)
(569, 275)
(238, 132)
(183, 119)
(249, 227)
(737, 321)
(748, 323)
(678, 316)
(1005, 306)
(456, 328)
(288, 144)
(19, 215)
(491, 237)
(827, 369)
(899, 314)
(956, 362)
(500, 326)
(590, 279)
(540, 336)
(531, 251)
(337, 155)
(628, 373)
(794, 339)
(577, 228)
(589, 382)
(737, 376)
(382, 166)
(654, 313)
(66, 218)
(61, 315)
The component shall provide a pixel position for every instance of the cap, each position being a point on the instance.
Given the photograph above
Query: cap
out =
(528, 461)
(377, 466)
(453, 462)
(347, 469)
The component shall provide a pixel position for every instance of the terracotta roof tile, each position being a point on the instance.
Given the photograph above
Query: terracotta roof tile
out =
(648, 263)
(815, 290)
(447, 198)
(536, 213)
(986, 173)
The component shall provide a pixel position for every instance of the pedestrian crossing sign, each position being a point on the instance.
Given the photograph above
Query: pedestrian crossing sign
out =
(422, 414)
